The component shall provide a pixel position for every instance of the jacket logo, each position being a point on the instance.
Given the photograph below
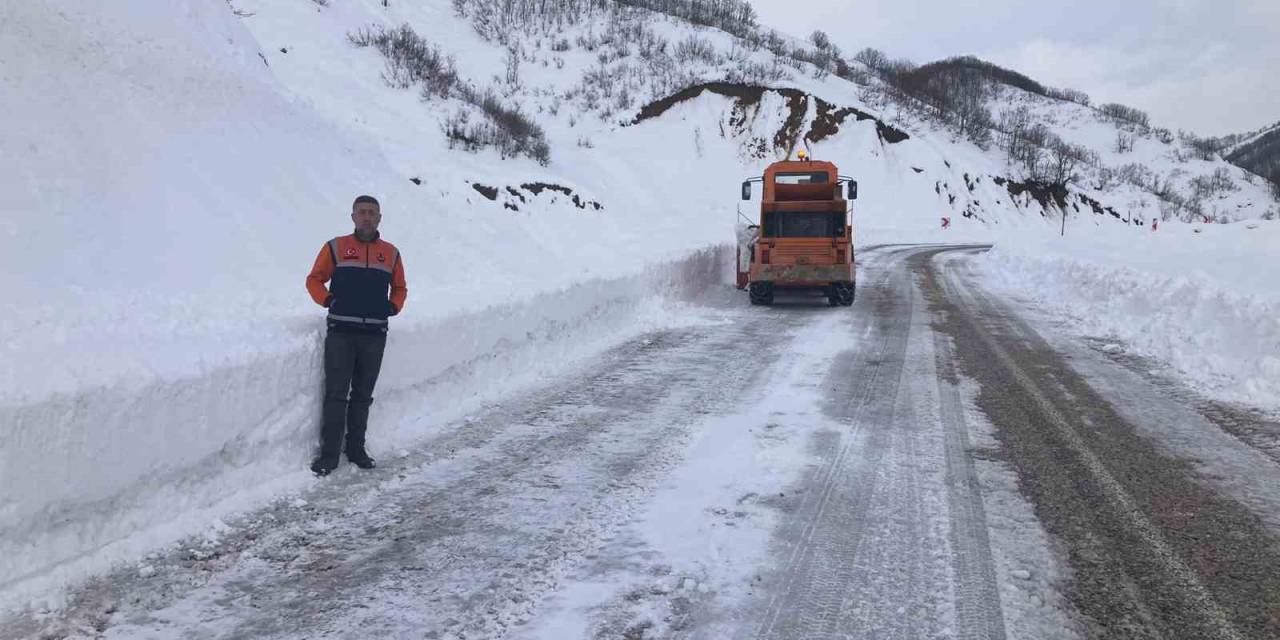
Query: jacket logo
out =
(381, 258)
(349, 254)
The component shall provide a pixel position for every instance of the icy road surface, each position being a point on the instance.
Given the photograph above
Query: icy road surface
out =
(929, 463)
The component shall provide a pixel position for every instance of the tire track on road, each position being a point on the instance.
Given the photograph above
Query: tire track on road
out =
(804, 568)
(868, 546)
(1156, 554)
(978, 611)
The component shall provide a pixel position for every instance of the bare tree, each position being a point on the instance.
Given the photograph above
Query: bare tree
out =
(971, 116)
(875, 59)
(820, 39)
(1064, 159)
(1126, 114)
(1105, 179)
(513, 65)
(736, 17)
(1204, 148)
(1076, 96)
(1124, 142)
(1013, 127)
(1221, 180)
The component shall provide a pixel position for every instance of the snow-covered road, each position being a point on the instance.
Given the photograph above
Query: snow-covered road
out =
(1166, 520)
(924, 464)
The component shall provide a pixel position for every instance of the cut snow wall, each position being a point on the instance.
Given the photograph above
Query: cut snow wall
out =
(1213, 330)
(131, 459)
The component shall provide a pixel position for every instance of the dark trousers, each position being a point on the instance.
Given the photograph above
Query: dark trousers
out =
(351, 363)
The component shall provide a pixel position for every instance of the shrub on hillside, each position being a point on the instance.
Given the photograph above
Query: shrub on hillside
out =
(498, 20)
(956, 91)
(410, 60)
(874, 59)
(504, 129)
(920, 80)
(1213, 184)
(755, 73)
(507, 128)
(736, 17)
(1105, 179)
(1125, 114)
(1040, 153)
(695, 49)
(823, 61)
(1203, 148)
(821, 40)
(1070, 95)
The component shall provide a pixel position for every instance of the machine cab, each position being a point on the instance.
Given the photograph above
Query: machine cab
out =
(803, 238)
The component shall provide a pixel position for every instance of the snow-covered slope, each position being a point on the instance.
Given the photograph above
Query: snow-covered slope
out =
(1259, 153)
(1134, 163)
(177, 166)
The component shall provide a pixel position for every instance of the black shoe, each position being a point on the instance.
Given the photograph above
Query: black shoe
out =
(364, 462)
(322, 467)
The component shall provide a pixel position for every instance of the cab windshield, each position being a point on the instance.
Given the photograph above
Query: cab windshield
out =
(807, 177)
(803, 224)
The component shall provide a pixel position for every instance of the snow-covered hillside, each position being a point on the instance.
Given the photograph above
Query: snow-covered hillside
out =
(175, 167)
(1258, 152)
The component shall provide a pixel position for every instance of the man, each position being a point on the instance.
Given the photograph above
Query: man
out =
(367, 287)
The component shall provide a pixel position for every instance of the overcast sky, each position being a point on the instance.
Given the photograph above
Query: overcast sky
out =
(1209, 66)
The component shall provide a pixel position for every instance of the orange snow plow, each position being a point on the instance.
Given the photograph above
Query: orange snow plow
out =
(803, 240)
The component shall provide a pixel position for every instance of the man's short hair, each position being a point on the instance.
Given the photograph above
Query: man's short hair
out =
(370, 199)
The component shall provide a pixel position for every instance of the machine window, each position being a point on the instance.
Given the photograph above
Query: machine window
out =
(803, 224)
(815, 177)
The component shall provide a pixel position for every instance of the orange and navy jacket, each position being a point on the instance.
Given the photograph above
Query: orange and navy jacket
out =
(366, 283)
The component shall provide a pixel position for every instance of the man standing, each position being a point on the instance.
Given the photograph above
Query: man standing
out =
(367, 286)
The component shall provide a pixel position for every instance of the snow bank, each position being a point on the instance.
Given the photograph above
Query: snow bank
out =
(1202, 298)
(129, 459)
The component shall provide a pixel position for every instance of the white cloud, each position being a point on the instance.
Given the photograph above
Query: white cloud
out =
(1267, 12)
(1210, 89)
(1202, 65)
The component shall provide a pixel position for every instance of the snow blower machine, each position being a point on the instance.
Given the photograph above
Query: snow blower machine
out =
(803, 240)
